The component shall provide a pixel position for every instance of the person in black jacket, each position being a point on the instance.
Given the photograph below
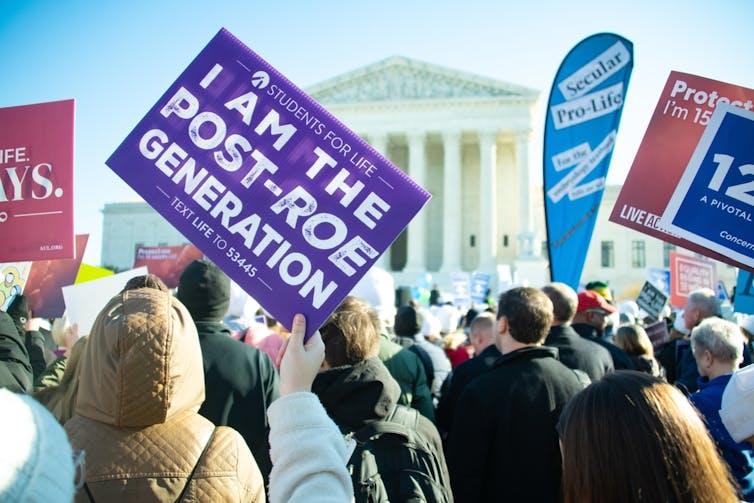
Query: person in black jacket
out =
(590, 323)
(504, 445)
(482, 335)
(357, 390)
(15, 369)
(574, 351)
(240, 381)
(39, 346)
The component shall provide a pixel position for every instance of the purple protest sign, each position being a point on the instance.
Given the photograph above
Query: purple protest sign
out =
(283, 197)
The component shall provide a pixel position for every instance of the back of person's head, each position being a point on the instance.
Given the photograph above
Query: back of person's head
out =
(601, 287)
(483, 322)
(36, 460)
(408, 321)
(633, 339)
(351, 334)
(704, 299)
(146, 281)
(632, 437)
(482, 331)
(142, 364)
(723, 339)
(205, 291)
(564, 302)
(529, 313)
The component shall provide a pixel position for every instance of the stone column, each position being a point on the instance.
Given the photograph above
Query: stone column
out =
(527, 237)
(451, 208)
(417, 235)
(488, 201)
(379, 142)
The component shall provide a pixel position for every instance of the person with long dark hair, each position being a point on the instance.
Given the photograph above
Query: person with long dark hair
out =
(632, 437)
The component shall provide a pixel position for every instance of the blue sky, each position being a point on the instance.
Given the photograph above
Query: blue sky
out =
(117, 58)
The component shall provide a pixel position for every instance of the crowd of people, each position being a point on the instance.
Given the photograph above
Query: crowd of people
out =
(540, 395)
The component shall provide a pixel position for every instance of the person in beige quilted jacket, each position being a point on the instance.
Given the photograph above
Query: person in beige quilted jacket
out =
(136, 418)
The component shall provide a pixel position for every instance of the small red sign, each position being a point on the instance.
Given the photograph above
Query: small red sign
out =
(167, 262)
(688, 274)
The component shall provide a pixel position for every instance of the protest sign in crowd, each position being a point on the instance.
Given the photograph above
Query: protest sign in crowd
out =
(272, 359)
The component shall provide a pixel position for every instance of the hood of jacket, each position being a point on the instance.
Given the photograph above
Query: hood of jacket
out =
(143, 362)
(356, 395)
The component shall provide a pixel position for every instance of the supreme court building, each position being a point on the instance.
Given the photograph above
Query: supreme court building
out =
(463, 137)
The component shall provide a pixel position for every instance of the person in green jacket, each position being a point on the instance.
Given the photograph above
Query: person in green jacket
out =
(406, 368)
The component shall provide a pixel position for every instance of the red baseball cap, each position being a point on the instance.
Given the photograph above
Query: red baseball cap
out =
(592, 300)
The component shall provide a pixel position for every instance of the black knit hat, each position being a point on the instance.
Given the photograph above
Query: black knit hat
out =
(408, 321)
(205, 291)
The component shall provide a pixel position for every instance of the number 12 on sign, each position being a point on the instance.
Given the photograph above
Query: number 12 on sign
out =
(714, 200)
(738, 191)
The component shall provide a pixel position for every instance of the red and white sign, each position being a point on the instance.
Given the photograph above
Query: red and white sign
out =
(36, 181)
(688, 274)
(681, 116)
(167, 262)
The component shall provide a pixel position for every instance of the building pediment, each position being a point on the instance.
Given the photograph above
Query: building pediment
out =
(403, 79)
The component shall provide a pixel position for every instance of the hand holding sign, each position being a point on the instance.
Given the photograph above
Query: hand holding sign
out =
(299, 361)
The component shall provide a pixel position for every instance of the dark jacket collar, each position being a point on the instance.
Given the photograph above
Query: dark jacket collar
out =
(587, 331)
(561, 332)
(527, 353)
(212, 328)
(356, 395)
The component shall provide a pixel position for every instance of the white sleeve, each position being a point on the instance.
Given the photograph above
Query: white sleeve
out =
(308, 453)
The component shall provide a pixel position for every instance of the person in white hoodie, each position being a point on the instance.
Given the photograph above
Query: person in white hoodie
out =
(308, 452)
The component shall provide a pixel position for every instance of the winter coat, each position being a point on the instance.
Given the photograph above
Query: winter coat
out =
(15, 368)
(60, 397)
(459, 379)
(621, 361)
(508, 449)
(140, 388)
(576, 352)
(738, 456)
(308, 452)
(357, 395)
(240, 384)
(408, 371)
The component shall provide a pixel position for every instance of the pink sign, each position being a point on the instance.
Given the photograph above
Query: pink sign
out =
(681, 116)
(688, 274)
(36, 181)
(167, 262)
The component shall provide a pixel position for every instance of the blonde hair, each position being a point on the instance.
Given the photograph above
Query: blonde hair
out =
(351, 334)
(634, 340)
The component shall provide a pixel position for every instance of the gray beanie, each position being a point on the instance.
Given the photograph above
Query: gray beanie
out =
(36, 461)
